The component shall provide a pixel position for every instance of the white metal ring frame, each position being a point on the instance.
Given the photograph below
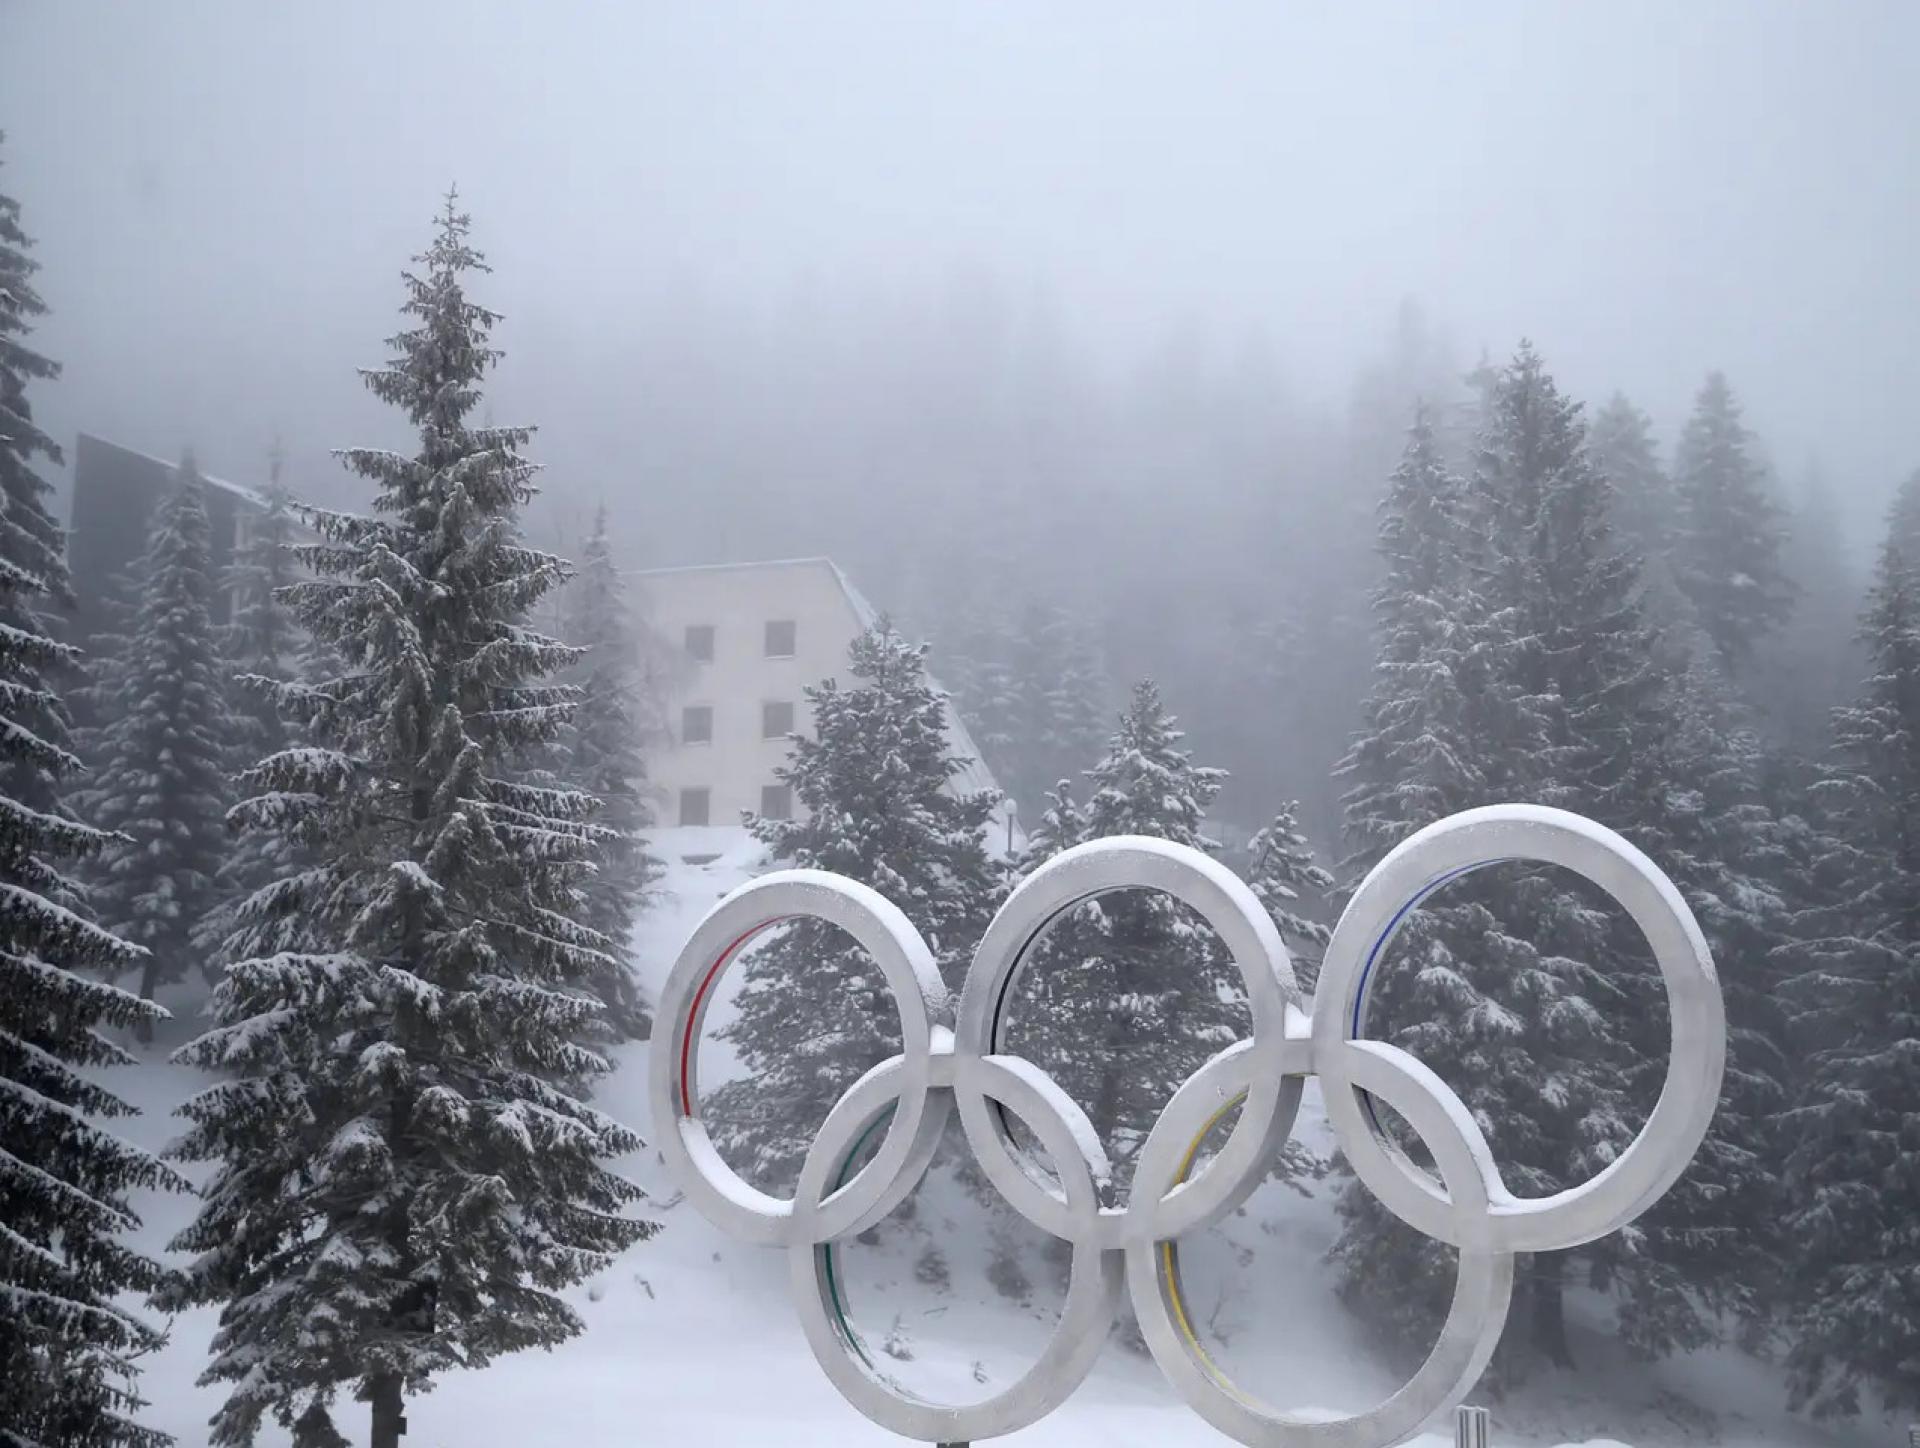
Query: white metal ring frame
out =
(908, 1097)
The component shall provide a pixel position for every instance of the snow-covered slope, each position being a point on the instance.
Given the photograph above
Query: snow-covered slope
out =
(690, 1339)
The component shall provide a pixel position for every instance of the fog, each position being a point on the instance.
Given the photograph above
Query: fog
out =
(1168, 267)
(224, 191)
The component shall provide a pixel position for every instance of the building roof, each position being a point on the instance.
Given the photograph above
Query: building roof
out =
(974, 776)
(250, 496)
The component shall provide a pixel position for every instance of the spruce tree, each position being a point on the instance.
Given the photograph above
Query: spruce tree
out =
(1694, 799)
(264, 646)
(1854, 1163)
(1728, 557)
(1648, 525)
(1077, 691)
(874, 801)
(1063, 824)
(161, 750)
(1522, 987)
(1463, 713)
(984, 689)
(1417, 756)
(978, 623)
(404, 1171)
(1131, 994)
(599, 752)
(1646, 510)
(1032, 691)
(1701, 794)
(1643, 736)
(1282, 870)
(1811, 666)
(69, 1346)
(263, 649)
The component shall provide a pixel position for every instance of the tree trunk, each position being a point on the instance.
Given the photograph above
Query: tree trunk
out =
(1549, 1309)
(388, 1423)
(149, 980)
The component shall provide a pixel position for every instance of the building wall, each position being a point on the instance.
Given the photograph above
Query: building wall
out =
(115, 490)
(737, 603)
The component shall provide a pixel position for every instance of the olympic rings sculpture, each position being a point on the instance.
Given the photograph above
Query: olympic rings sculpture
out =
(1134, 1248)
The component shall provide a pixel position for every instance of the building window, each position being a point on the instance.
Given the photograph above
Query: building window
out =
(776, 719)
(781, 633)
(776, 801)
(694, 804)
(696, 724)
(700, 642)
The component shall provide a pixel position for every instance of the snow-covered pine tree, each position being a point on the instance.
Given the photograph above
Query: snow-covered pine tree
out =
(1285, 875)
(1647, 520)
(1541, 1005)
(1698, 791)
(1728, 555)
(985, 690)
(1642, 737)
(973, 642)
(1711, 1248)
(1058, 693)
(1416, 758)
(1419, 757)
(1147, 784)
(1646, 506)
(264, 645)
(1854, 1164)
(1426, 750)
(1033, 694)
(1810, 667)
(599, 752)
(405, 1173)
(1062, 825)
(1130, 994)
(1461, 420)
(873, 801)
(262, 649)
(69, 1348)
(1535, 1075)
(1649, 739)
(1655, 746)
(1079, 695)
(161, 750)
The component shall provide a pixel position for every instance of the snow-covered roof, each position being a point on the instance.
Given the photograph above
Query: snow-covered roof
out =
(974, 776)
(250, 496)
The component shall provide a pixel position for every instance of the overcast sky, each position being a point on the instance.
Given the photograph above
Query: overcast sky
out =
(224, 192)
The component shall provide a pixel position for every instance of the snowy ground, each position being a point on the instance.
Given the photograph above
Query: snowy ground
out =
(691, 1340)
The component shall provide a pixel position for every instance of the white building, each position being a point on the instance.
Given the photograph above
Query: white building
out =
(738, 645)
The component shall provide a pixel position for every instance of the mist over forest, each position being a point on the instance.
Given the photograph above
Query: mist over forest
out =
(1113, 308)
